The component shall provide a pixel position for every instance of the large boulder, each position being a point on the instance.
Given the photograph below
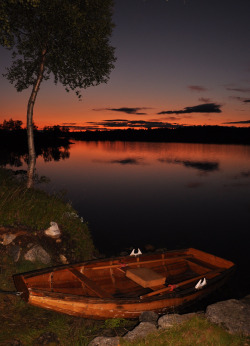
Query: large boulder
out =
(232, 314)
(37, 254)
(169, 320)
(140, 331)
(149, 316)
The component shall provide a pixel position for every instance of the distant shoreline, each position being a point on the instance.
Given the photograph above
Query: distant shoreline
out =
(189, 134)
(17, 140)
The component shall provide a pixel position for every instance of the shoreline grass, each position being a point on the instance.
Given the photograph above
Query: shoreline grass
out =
(34, 209)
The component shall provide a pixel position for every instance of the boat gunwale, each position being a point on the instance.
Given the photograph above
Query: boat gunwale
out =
(46, 270)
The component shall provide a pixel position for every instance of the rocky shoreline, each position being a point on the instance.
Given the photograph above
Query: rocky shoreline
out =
(232, 314)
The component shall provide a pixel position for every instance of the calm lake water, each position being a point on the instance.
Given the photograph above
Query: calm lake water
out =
(170, 195)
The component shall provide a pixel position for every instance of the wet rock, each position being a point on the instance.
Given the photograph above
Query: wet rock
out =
(48, 338)
(105, 341)
(232, 314)
(169, 320)
(140, 331)
(8, 238)
(149, 316)
(37, 254)
(53, 231)
(14, 252)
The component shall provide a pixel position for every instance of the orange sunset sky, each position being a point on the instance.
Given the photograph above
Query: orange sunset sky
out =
(178, 63)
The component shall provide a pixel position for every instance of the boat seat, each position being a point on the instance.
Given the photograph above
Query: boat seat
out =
(145, 277)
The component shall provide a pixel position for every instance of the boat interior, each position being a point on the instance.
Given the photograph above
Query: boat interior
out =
(130, 277)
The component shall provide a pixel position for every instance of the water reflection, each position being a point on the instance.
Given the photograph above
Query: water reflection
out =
(203, 166)
(19, 157)
(134, 194)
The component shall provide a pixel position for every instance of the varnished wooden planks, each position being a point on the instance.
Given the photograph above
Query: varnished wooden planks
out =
(90, 284)
(104, 290)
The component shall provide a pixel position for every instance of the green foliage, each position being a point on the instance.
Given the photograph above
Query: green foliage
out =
(115, 323)
(35, 209)
(197, 331)
(71, 38)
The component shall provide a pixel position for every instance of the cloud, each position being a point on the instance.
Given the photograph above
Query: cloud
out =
(204, 99)
(197, 88)
(80, 127)
(204, 166)
(239, 98)
(203, 108)
(132, 123)
(127, 110)
(238, 122)
(242, 90)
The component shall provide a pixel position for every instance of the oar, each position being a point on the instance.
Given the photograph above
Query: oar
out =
(183, 283)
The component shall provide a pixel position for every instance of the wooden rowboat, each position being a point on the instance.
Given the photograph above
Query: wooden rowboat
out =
(125, 286)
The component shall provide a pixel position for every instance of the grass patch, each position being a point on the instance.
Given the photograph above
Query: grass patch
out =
(35, 209)
(26, 323)
(197, 331)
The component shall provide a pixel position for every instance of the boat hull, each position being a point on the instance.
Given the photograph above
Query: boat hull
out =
(87, 308)
(160, 300)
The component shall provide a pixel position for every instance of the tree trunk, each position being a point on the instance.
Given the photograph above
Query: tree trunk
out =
(30, 130)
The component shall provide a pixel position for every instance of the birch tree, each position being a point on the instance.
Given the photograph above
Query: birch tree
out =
(68, 40)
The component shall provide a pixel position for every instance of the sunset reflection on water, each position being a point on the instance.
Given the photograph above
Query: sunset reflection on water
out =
(169, 195)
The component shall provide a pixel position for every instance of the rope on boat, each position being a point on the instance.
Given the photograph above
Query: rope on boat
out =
(15, 293)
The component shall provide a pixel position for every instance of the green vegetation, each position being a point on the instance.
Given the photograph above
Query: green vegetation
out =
(197, 331)
(115, 323)
(26, 323)
(35, 209)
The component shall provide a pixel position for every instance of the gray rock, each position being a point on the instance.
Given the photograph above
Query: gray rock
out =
(232, 314)
(169, 320)
(105, 341)
(140, 331)
(37, 254)
(149, 316)
(53, 231)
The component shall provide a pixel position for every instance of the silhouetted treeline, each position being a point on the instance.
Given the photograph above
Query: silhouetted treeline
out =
(187, 134)
(12, 135)
(52, 143)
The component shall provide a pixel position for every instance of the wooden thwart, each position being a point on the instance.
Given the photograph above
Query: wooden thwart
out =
(145, 277)
(90, 284)
(183, 283)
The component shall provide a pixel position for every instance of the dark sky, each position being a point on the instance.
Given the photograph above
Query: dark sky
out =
(178, 62)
